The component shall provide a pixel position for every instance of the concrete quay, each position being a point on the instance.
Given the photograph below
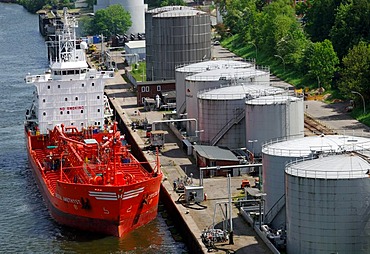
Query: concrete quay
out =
(190, 220)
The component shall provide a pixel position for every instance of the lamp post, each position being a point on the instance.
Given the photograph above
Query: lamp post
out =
(282, 59)
(255, 47)
(363, 101)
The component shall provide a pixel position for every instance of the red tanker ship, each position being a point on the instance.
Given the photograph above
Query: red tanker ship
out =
(84, 169)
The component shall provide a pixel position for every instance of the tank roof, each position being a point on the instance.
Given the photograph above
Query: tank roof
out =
(304, 147)
(226, 74)
(169, 8)
(212, 65)
(343, 166)
(179, 13)
(270, 100)
(239, 92)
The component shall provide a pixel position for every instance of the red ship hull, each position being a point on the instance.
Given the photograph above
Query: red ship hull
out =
(126, 198)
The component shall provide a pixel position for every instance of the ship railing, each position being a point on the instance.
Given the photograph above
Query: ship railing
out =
(79, 174)
(64, 177)
(36, 78)
(100, 74)
(293, 168)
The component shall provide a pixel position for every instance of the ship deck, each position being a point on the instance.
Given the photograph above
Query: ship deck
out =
(135, 170)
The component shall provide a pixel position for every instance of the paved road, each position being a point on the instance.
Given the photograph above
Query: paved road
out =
(335, 117)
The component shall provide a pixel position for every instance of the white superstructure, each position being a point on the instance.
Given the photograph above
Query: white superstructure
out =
(70, 93)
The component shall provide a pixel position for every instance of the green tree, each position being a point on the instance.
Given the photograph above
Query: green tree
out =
(32, 5)
(301, 8)
(322, 62)
(320, 18)
(159, 3)
(111, 20)
(275, 22)
(356, 71)
(237, 15)
(292, 48)
(352, 24)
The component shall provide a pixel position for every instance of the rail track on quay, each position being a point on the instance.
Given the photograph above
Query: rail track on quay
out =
(314, 127)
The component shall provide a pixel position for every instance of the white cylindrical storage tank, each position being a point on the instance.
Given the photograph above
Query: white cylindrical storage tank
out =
(136, 8)
(182, 72)
(222, 113)
(275, 155)
(327, 205)
(273, 117)
(217, 78)
(179, 37)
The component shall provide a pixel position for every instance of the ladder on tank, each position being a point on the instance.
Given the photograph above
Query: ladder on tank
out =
(233, 121)
(274, 210)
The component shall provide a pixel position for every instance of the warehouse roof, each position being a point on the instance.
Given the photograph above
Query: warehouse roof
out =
(215, 153)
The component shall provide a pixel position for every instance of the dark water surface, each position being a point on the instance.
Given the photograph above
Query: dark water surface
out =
(25, 224)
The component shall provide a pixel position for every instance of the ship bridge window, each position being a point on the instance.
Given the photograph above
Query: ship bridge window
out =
(64, 72)
(70, 72)
(83, 71)
(57, 73)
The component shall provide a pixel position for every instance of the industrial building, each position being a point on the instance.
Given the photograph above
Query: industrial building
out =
(134, 51)
(175, 35)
